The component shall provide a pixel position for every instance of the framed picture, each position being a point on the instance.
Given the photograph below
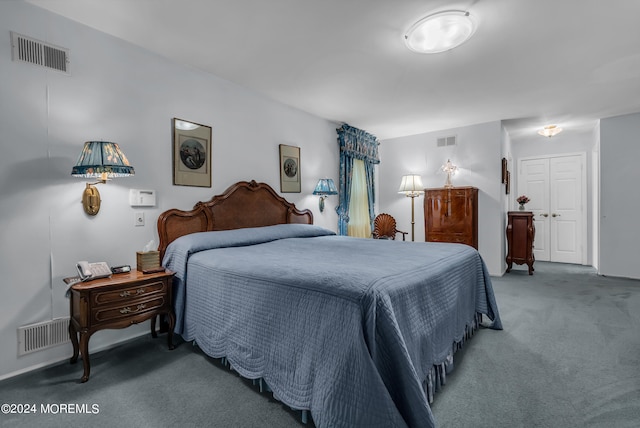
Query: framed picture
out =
(507, 188)
(191, 154)
(504, 170)
(289, 169)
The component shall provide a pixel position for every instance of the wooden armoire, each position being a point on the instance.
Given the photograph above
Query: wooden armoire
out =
(451, 215)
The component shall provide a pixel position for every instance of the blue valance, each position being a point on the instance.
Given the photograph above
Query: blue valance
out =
(358, 144)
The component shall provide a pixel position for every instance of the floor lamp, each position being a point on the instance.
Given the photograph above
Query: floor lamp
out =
(411, 186)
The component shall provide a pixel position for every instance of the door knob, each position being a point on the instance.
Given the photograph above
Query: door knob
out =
(555, 215)
(545, 215)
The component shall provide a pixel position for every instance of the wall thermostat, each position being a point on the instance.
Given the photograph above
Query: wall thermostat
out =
(142, 198)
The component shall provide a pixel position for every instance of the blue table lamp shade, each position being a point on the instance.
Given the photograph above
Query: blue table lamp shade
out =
(102, 160)
(324, 188)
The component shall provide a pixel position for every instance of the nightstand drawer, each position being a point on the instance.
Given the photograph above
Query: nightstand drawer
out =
(128, 310)
(128, 293)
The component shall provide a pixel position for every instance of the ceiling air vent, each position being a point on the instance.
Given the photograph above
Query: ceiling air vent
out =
(28, 49)
(447, 141)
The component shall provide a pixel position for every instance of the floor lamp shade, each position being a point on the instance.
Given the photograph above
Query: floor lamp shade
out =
(411, 186)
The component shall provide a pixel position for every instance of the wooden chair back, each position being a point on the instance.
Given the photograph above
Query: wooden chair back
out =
(384, 227)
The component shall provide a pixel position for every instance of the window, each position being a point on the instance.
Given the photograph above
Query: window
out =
(359, 221)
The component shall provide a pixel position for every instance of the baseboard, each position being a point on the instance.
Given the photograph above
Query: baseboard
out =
(58, 361)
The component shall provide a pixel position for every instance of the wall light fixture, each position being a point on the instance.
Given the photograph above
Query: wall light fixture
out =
(101, 160)
(324, 188)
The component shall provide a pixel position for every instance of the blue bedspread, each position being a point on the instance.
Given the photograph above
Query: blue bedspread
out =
(348, 328)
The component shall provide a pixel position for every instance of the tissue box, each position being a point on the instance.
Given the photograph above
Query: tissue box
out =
(148, 261)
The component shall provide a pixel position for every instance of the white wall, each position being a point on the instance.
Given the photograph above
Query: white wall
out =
(478, 155)
(619, 201)
(595, 202)
(570, 141)
(117, 92)
(507, 199)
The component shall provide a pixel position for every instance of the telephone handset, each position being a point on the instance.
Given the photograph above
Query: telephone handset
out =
(96, 270)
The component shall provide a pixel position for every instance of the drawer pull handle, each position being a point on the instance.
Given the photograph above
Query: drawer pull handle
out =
(127, 310)
(127, 293)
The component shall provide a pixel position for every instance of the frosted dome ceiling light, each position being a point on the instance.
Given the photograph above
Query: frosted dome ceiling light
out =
(440, 31)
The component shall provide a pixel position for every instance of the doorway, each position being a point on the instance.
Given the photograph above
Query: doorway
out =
(557, 188)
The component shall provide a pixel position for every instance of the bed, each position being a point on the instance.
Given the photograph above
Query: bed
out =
(361, 332)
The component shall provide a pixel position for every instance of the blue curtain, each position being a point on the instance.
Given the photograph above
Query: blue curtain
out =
(355, 144)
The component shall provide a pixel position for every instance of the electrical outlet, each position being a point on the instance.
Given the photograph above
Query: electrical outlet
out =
(138, 218)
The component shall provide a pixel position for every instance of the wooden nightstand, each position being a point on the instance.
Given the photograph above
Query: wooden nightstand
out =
(118, 302)
(521, 232)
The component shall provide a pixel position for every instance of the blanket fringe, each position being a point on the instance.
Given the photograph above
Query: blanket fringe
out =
(437, 376)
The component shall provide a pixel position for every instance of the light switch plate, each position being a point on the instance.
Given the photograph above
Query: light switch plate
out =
(138, 218)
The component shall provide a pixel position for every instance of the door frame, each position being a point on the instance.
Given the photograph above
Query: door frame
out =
(585, 205)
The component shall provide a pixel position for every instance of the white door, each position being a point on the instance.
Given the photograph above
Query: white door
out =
(556, 187)
(534, 182)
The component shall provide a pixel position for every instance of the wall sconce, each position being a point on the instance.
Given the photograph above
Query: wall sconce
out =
(411, 186)
(450, 169)
(550, 131)
(324, 188)
(101, 160)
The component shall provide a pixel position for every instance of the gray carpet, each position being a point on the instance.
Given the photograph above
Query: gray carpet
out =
(569, 356)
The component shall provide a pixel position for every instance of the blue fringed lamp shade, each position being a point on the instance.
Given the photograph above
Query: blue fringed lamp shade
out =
(101, 159)
(325, 186)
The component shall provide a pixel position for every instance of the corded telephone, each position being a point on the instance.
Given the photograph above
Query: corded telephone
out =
(96, 270)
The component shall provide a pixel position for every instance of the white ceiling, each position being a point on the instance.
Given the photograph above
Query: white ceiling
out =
(530, 62)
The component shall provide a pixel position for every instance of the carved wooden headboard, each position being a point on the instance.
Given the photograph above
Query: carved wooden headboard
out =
(244, 204)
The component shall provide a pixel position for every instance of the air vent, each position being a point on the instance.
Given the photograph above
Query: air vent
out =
(447, 141)
(35, 337)
(27, 49)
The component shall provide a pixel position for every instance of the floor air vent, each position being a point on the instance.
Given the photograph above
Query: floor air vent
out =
(447, 141)
(43, 335)
(27, 49)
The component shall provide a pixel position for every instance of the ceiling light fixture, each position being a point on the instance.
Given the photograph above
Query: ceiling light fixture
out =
(440, 31)
(550, 131)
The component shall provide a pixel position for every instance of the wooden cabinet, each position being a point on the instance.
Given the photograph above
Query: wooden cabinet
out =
(520, 234)
(451, 215)
(118, 302)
